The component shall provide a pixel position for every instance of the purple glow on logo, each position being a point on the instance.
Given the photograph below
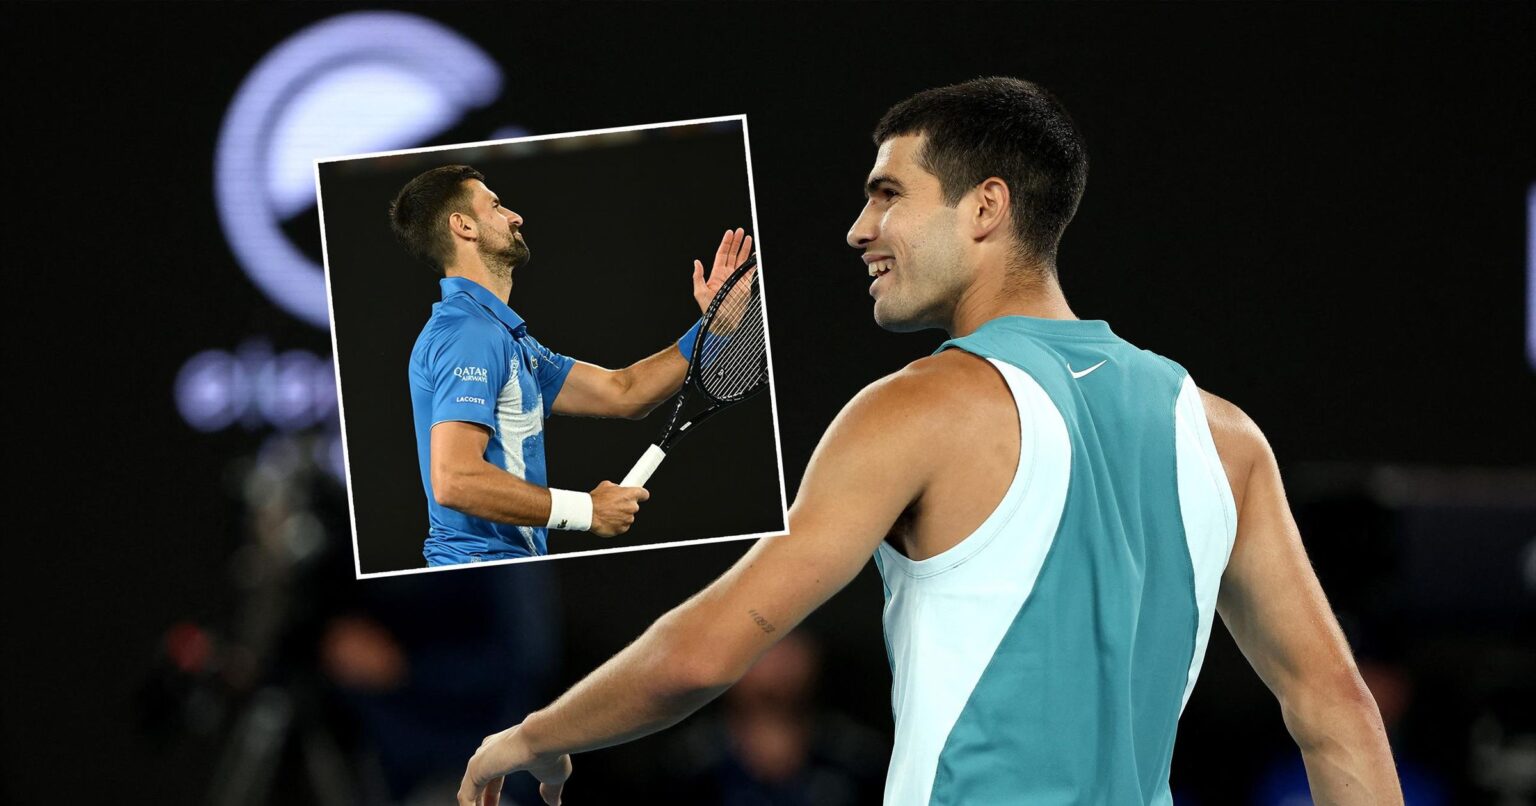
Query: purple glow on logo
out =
(256, 388)
(364, 81)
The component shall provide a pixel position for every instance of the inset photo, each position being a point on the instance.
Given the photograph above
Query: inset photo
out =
(551, 345)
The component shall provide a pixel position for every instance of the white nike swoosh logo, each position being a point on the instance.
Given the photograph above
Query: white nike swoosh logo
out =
(1088, 370)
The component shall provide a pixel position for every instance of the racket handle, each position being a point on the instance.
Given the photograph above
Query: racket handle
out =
(641, 472)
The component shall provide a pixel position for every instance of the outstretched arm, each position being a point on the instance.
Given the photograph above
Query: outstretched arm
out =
(1274, 607)
(636, 390)
(632, 392)
(868, 467)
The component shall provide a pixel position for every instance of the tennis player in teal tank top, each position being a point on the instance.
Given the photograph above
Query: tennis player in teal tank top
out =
(1057, 515)
(1083, 588)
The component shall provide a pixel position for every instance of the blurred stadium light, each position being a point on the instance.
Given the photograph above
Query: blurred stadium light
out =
(365, 81)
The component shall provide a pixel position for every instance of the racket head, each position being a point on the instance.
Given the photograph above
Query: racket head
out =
(730, 355)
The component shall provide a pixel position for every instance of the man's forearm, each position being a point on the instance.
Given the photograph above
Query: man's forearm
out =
(652, 684)
(1345, 749)
(650, 381)
(486, 491)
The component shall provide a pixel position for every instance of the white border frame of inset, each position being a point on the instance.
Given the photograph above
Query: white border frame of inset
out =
(341, 406)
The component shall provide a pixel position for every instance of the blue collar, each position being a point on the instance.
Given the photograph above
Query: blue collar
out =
(482, 295)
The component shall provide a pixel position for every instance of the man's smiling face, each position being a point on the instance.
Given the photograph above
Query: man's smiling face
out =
(910, 239)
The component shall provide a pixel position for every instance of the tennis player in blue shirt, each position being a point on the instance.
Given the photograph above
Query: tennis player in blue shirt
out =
(481, 385)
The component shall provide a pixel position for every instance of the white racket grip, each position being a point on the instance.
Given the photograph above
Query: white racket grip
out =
(641, 472)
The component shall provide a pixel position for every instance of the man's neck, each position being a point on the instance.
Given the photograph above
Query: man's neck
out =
(477, 272)
(1034, 294)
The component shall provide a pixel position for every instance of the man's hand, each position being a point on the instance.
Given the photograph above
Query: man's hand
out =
(614, 508)
(735, 245)
(501, 754)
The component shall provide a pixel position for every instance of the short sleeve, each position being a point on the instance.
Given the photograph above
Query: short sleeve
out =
(550, 370)
(467, 368)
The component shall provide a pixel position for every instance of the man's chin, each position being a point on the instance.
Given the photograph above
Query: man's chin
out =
(895, 323)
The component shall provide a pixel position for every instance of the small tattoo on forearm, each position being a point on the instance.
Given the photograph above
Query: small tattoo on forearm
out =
(762, 623)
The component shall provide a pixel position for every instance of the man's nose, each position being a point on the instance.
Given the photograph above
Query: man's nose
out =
(864, 229)
(514, 218)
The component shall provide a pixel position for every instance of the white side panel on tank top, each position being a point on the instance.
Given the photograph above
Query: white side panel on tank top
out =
(947, 614)
(1210, 516)
(514, 426)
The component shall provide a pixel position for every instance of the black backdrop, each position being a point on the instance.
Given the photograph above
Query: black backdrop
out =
(614, 225)
(1319, 210)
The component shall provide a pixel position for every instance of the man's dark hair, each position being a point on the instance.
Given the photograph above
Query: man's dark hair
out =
(1007, 128)
(416, 215)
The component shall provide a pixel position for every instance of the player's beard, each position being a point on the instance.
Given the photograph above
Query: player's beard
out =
(507, 257)
(930, 279)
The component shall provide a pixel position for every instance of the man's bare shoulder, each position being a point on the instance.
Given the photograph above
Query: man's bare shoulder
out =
(936, 401)
(1239, 442)
(936, 443)
(942, 390)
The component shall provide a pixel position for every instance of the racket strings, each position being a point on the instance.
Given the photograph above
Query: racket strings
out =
(733, 361)
(738, 365)
(738, 370)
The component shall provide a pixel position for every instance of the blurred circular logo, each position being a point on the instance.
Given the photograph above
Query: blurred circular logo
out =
(359, 82)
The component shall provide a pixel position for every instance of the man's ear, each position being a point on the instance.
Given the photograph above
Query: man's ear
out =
(462, 225)
(989, 206)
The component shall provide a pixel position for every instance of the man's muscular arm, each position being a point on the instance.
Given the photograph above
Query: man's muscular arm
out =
(464, 481)
(632, 392)
(1274, 607)
(873, 461)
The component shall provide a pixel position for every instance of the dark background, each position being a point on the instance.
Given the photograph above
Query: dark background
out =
(1319, 210)
(614, 224)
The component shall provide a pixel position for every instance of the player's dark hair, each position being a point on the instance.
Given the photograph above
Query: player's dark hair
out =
(1004, 127)
(416, 215)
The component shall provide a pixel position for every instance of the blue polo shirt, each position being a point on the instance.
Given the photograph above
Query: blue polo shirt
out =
(474, 362)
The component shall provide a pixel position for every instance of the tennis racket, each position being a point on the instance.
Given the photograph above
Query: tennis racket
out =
(729, 364)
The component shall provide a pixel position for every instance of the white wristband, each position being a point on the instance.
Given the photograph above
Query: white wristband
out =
(571, 511)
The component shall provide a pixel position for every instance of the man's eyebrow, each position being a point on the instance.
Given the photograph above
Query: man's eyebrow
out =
(877, 180)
